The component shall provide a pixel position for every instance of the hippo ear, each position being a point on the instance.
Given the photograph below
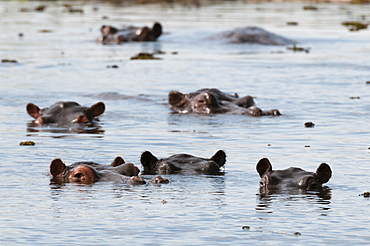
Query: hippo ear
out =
(157, 30)
(219, 158)
(323, 173)
(175, 98)
(117, 161)
(143, 34)
(57, 167)
(263, 166)
(147, 159)
(33, 110)
(97, 109)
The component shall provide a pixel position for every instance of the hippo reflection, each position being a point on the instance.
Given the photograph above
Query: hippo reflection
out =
(90, 172)
(113, 35)
(64, 113)
(292, 178)
(183, 164)
(252, 35)
(214, 101)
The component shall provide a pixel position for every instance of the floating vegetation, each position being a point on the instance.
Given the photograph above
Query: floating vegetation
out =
(69, 8)
(145, 56)
(295, 48)
(292, 23)
(309, 124)
(312, 8)
(354, 97)
(39, 8)
(8, 61)
(112, 66)
(29, 143)
(355, 25)
(45, 31)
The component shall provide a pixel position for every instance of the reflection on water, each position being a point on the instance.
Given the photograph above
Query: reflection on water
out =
(192, 210)
(265, 202)
(71, 129)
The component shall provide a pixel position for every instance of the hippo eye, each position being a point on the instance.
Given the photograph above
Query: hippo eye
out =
(78, 175)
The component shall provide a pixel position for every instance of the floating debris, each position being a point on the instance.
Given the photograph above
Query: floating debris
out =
(145, 56)
(246, 228)
(354, 97)
(40, 8)
(355, 25)
(307, 146)
(298, 49)
(69, 8)
(309, 124)
(292, 23)
(8, 61)
(29, 143)
(113, 66)
(365, 194)
(312, 8)
(45, 31)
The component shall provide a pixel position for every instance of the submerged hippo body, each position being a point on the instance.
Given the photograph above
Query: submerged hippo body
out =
(292, 178)
(213, 101)
(91, 172)
(252, 35)
(112, 35)
(183, 164)
(64, 113)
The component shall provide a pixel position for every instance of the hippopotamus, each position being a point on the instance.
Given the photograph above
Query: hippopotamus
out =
(183, 164)
(252, 35)
(214, 101)
(64, 113)
(292, 178)
(90, 172)
(113, 35)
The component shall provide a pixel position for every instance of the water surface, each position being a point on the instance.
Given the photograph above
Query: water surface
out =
(326, 86)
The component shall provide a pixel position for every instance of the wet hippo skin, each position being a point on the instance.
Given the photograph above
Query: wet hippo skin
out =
(113, 35)
(183, 164)
(91, 172)
(214, 101)
(292, 178)
(64, 113)
(251, 35)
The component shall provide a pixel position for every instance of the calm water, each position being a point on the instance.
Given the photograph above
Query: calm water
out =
(326, 86)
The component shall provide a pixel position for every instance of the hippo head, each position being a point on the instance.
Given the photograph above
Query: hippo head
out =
(179, 102)
(108, 30)
(257, 112)
(183, 163)
(292, 178)
(205, 103)
(63, 113)
(84, 174)
(147, 34)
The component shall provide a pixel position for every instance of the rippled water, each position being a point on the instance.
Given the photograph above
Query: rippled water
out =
(326, 86)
